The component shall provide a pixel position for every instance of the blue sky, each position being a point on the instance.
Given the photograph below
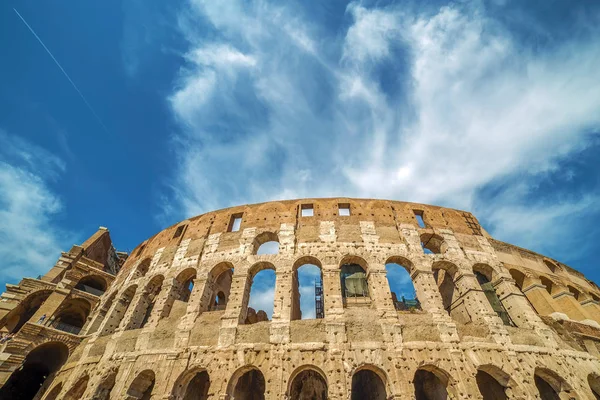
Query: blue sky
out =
(488, 106)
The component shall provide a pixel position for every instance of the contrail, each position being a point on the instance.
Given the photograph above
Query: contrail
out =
(63, 71)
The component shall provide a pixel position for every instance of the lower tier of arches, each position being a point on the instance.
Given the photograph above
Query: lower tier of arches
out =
(422, 371)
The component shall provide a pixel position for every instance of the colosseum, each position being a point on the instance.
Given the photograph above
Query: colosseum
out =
(171, 320)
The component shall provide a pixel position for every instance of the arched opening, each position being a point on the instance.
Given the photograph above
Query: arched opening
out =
(39, 364)
(402, 289)
(554, 268)
(193, 385)
(489, 387)
(266, 243)
(142, 269)
(92, 284)
(145, 306)
(219, 286)
(54, 392)
(107, 384)
(547, 283)
(433, 244)
(249, 386)
(594, 382)
(576, 293)
(308, 384)
(142, 386)
(101, 314)
(367, 384)
(78, 389)
(519, 278)
(548, 384)
(483, 274)
(15, 320)
(118, 310)
(71, 316)
(307, 289)
(181, 292)
(430, 384)
(262, 293)
(443, 273)
(354, 281)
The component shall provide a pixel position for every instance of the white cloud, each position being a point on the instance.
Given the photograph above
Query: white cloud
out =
(263, 300)
(286, 115)
(29, 241)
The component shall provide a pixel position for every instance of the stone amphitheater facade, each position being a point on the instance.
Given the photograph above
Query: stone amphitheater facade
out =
(170, 320)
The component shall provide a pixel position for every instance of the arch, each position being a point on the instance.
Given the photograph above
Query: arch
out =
(369, 382)
(402, 289)
(549, 384)
(547, 283)
(39, 364)
(575, 292)
(22, 313)
(118, 310)
(54, 392)
(71, 316)
(142, 269)
(493, 382)
(93, 284)
(247, 383)
(433, 243)
(354, 280)
(518, 276)
(101, 314)
(444, 273)
(147, 302)
(594, 383)
(266, 284)
(266, 243)
(552, 266)
(219, 286)
(192, 384)
(431, 383)
(483, 274)
(307, 277)
(77, 390)
(143, 384)
(307, 383)
(181, 290)
(106, 385)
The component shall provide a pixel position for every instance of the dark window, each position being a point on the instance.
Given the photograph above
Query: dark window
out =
(179, 231)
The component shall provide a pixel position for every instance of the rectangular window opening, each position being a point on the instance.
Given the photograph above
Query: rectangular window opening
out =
(142, 247)
(307, 210)
(419, 217)
(344, 209)
(235, 223)
(179, 231)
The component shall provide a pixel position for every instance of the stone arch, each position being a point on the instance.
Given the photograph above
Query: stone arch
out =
(432, 383)
(78, 388)
(192, 384)
(146, 302)
(433, 243)
(26, 309)
(575, 292)
(142, 385)
(267, 241)
(369, 382)
(71, 315)
(307, 382)
(101, 313)
(249, 315)
(548, 283)
(444, 273)
(142, 268)
(40, 364)
(93, 284)
(247, 383)
(354, 280)
(106, 385)
(397, 267)
(552, 266)
(593, 380)
(484, 273)
(549, 384)
(303, 263)
(54, 392)
(493, 382)
(518, 276)
(119, 309)
(219, 285)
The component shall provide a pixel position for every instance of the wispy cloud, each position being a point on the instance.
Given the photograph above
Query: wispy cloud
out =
(430, 106)
(29, 239)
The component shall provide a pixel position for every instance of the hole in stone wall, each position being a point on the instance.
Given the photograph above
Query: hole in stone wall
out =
(26, 309)
(366, 384)
(306, 210)
(250, 386)
(429, 386)
(119, 310)
(419, 217)
(594, 382)
(266, 248)
(221, 277)
(489, 387)
(401, 288)
(197, 388)
(262, 297)
(353, 280)
(308, 385)
(307, 293)
(179, 231)
(76, 392)
(71, 315)
(142, 386)
(235, 222)
(344, 210)
(433, 244)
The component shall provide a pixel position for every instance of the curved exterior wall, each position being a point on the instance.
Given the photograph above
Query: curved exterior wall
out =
(554, 310)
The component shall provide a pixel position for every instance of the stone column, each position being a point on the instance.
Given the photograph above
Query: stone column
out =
(135, 312)
(592, 308)
(280, 322)
(429, 296)
(164, 301)
(198, 303)
(237, 307)
(539, 297)
(380, 293)
(516, 304)
(333, 305)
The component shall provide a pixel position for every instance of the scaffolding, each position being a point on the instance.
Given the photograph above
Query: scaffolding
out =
(319, 312)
